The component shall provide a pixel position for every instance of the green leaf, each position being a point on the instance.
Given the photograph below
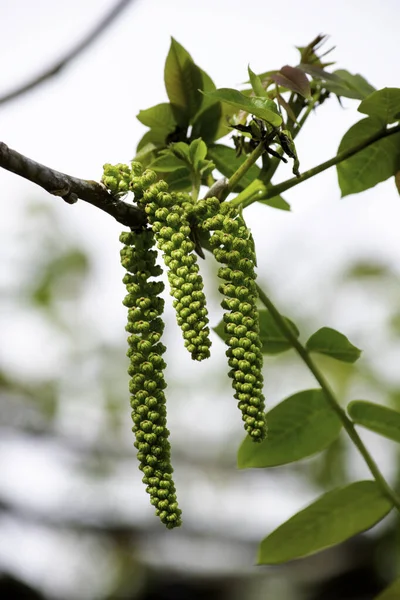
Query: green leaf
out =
(381, 419)
(355, 82)
(273, 341)
(334, 344)
(293, 79)
(179, 180)
(332, 519)
(263, 108)
(390, 593)
(383, 104)
(276, 202)
(197, 153)
(256, 84)
(183, 79)
(341, 82)
(166, 163)
(207, 123)
(372, 165)
(227, 163)
(160, 117)
(298, 427)
(154, 136)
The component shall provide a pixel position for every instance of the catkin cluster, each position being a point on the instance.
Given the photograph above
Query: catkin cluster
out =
(171, 217)
(233, 246)
(168, 215)
(147, 384)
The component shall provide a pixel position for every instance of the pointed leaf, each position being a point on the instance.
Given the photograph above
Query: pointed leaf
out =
(356, 82)
(381, 419)
(227, 163)
(208, 122)
(293, 79)
(332, 519)
(298, 427)
(197, 152)
(155, 137)
(263, 108)
(392, 592)
(334, 344)
(179, 180)
(272, 339)
(341, 82)
(256, 84)
(166, 163)
(160, 117)
(383, 104)
(180, 150)
(183, 79)
(370, 166)
(276, 202)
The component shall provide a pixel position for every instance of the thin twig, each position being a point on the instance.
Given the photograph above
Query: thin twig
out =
(69, 56)
(71, 188)
(278, 189)
(348, 425)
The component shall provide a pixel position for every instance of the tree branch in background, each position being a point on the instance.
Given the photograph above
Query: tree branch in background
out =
(71, 188)
(71, 55)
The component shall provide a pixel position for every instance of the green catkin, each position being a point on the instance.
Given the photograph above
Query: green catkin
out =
(233, 247)
(168, 214)
(147, 384)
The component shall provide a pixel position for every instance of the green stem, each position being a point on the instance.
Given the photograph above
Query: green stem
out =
(275, 190)
(331, 399)
(242, 170)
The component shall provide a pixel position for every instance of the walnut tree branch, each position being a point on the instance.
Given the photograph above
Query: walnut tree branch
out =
(70, 55)
(71, 188)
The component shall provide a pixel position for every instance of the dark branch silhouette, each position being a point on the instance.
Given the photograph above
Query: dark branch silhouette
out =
(69, 56)
(71, 188)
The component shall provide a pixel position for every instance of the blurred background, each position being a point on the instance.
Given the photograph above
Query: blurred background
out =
(75, 521)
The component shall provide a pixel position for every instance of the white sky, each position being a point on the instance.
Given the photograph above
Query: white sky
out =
(86, 117)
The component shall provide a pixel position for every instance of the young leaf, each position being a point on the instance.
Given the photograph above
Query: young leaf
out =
(207, 123)
(256, 84)
(383, 104)
(156, 137)
(273, 342)
(294, 80)
(227, 163)
(167, 163)
(183, 79)
(160, 117)
(390, 593)
(334, 344)
(381, 419)
(263, 108)
(298, 427)
(179, 180)
(197, 152)
(356, 82)
(372, 165)
(272, 339)
(332, 519)
(341, 82)
(181, 150)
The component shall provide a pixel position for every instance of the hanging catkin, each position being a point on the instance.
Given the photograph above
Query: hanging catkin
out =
(147, 384)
